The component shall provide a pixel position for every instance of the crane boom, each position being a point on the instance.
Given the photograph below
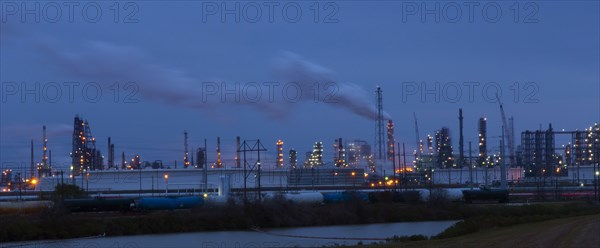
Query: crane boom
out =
(508, 133)
(417, 134)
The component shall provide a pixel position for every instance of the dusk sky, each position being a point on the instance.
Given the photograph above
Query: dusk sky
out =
(174, 50)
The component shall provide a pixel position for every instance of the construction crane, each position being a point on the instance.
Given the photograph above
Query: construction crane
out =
(417, 135)
(508, 133)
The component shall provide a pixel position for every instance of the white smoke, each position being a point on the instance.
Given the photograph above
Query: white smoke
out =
(107, 63)
(291, 67)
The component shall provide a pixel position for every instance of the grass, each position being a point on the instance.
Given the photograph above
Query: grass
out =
(59, 225)
(580, 231)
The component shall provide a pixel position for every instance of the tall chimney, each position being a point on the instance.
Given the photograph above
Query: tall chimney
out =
(45, 142)
(461, 144)
(186, 160)
(219, 163)
(31, 169)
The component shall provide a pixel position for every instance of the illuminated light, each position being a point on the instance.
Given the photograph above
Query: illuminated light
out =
(366, 174)
(166, 176)
(34, 181)
(380, 182)
(372, 185)
(597, 173)
(205, 195)
(353, 173)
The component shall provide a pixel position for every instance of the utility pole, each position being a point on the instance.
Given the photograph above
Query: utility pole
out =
(393, 167)
(503, 184)
(404, 163)
(470, 166)
(205, 169)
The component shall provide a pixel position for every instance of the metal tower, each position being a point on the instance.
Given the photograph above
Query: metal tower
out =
(461, 143)
(186, 159)
(293, 158)
(31, 169)
(279, 153)
(379, 138)
(482, 157)
(84, 154)
(390, 141)
(218, 164)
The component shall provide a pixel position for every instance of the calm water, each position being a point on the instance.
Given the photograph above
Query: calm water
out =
(280, 237)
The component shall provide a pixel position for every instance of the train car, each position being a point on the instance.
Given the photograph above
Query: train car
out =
(168, 203)
(345, 196)
(99, 204)
(499, 195)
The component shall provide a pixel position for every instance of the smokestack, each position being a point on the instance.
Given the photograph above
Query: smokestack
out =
(45, 142)
(482, 158)
(218, 164)
(237, 152)
(461, 145)
(341, 155)
(110, 160)
(390, 140)
(186, 160)
(123, 162)
(31, 169)
(279, 153)
(379, 140)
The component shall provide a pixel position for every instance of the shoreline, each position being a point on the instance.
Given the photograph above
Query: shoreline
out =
(238, 218)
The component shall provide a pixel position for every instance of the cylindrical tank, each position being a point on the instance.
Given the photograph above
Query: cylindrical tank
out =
(224, 185)
(423, 194)
(486, 195)
(454, 194)
(98, 204)
(304, 197)
(216, 200)
(170, 202)
(24, 205)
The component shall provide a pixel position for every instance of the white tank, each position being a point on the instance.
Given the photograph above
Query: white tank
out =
(423, 194)
(25, 205)
(224, 185)
(454, 194)
(213, 200)
(304, 197)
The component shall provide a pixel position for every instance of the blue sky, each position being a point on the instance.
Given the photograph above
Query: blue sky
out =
(170, 50)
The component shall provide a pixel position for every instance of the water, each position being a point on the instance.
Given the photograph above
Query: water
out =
(280, 237)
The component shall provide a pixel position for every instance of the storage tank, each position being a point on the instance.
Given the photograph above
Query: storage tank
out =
(99, 204)
(304, 197)
(224, 185)
(499, 195)
(344, 196)
(25, 205)
(170, 203)
(214, 200)
(423, 194)
(454, 194)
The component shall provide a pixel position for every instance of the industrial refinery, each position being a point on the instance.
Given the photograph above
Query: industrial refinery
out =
(259, 166)
(378, 124)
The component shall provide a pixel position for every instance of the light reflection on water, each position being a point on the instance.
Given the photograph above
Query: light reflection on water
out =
(269, 238)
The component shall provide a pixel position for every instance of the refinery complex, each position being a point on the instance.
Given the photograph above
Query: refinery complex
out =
(261, 165)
